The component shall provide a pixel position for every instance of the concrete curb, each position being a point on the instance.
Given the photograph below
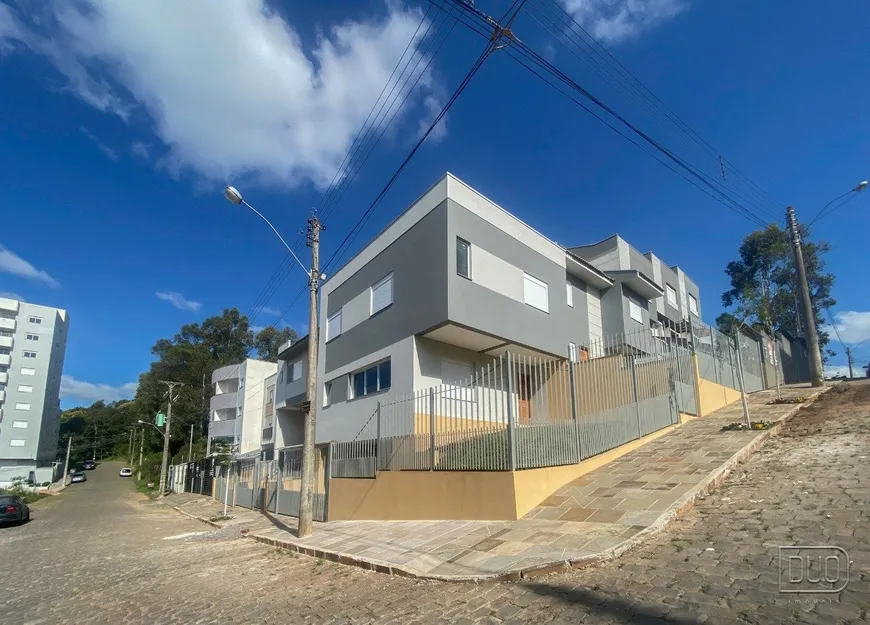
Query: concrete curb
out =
(710, 483)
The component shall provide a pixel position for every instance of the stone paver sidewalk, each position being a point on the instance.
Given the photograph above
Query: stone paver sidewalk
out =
(596, 517)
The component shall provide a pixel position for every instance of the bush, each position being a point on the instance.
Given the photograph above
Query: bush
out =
(21, 490)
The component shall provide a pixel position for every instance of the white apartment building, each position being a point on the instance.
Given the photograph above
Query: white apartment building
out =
(238, 404)
(32, 349)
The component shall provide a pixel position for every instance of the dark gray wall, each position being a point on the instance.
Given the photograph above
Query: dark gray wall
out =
(640, 262)
(589, 252)
(418, 259)
(478, 307)
(692, 289)
(669, 277)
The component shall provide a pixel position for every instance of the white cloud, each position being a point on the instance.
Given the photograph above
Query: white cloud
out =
(226, 84)
(178, 300)
(268, 310)
(836, 371)
(71, 388)
(257, 329)
(610, 21)
(10, 262)
(11, 295)
(139, 149)
(852, 325)
(106, 150)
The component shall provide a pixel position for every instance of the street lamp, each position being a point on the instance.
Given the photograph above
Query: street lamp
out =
(154, 426)
(856, 189)
(233, 196)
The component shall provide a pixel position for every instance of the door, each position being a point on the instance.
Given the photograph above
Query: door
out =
(524, 398)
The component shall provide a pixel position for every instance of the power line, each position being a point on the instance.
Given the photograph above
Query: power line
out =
(518, 47)
(828, 209)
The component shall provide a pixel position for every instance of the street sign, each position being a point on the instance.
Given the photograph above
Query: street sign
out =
(160, 419)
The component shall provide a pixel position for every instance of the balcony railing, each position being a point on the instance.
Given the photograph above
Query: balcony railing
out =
(5, 359)
(222, 429)
(223, 401)
(4, 377)
(7, 324)
(8, 305)
(7, 341)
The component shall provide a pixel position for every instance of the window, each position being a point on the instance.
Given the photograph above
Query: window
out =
(371, 380)
(281, 377)
(382, 294)
(35, 320)
(572, 352)
(635, 311)
(16, 442)
(536, 293)
(327, 391)
(693, 304)
(271, 399)
(22, 406)
(28, 371)
(333, 326)
(570, 293)
(25, 388)
(672, 295)
(31, 337)
(29, 354)
(19, 425)
(463, 258)
(296, 371)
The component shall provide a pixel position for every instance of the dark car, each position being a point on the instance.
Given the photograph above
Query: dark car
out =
(13, 510)
(89, 465)
(78, 476)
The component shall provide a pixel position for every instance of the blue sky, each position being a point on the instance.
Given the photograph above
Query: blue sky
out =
(121, 122)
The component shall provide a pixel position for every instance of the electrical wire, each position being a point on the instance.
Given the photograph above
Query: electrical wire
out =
(519, 48)
(827, 211)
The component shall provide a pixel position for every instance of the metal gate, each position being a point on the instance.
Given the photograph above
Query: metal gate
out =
(199, 477)
(289, 481)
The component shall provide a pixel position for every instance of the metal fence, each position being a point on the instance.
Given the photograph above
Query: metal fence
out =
(523, 411)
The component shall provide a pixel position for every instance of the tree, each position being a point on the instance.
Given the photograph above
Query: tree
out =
(763, 291)
(269, 341)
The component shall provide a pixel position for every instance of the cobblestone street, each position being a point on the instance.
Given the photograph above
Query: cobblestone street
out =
(99, 553)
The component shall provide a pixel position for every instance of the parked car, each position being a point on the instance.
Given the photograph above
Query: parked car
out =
(13, 510)
(89, 465)
(126, 472)
(78, 476)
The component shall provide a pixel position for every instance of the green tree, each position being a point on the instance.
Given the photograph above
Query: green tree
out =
(763, 291)
(269, 341)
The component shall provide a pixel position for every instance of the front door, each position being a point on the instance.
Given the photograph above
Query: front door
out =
(524, 396)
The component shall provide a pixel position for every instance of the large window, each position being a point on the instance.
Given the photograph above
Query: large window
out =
(371, 380)
(536, 293)
(693, 304)
(37, 320)
(29, 354)
(31, 337)
(635, 311)
(296, 371)
(672, 295)
(463, 258)
(382, 294)
(327, 393)
(569, 292)
(333, 326)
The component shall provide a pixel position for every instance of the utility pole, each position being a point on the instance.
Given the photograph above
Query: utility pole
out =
(165, 462)
(132, 445)
(849, 358)
(809, 318)
(306, 495)
(190, 449)
(66, 463)
(141, 445)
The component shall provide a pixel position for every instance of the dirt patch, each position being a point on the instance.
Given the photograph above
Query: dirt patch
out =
(845, 399)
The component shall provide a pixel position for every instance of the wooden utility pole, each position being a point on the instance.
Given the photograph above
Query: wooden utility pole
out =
(306, 495)
(141, 445)
(66, 463)
(164, 465)
(816, 375)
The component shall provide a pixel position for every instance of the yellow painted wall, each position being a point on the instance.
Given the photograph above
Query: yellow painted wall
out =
(532, 486)
(712, 396)
(424, 495)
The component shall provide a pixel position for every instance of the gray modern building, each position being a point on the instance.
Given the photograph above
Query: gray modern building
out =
(650, 292)
(238, 405)
(456, 281)
(32, 348)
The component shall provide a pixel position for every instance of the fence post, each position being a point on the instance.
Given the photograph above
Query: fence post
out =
(378, 441)
(692, 337)
(634, 390)
(278, 480)
(431, 429)
(511, 444)
(327, 478)
(573, 387)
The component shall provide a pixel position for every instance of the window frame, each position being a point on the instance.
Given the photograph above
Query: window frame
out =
(16, 426)
(13, 442)
(379, 283)
(632, 304)
(364, 379)
(329, 319)
(539, 283)
(31, 337)
(460, 240)
(693, 304)
(28, 371)
(28, 353)
(293, 377)
(668, 290)
(22, 387)
(19, 404)
(569, 294)
(34, 319)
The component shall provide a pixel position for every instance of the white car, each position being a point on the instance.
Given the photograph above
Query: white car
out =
(125, 472)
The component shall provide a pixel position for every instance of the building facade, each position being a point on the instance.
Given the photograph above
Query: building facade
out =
(238, 405)
(32, 349)
(456, 281)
